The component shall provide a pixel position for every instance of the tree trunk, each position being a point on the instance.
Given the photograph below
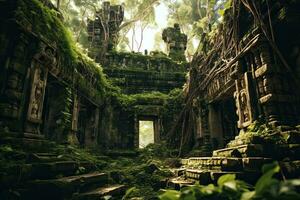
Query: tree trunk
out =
(57, 4)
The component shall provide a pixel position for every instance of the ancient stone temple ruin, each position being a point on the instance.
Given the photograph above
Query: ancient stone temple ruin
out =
(239, 109)
(176, 42)
(248, 96)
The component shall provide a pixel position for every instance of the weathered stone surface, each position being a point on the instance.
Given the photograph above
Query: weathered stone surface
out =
(179, 182)
(255, 163)
(50, 170)
(100, 193)
(250, 150)
(64, 187)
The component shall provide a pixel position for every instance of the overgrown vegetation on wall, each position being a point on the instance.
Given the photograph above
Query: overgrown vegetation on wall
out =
(47, 24)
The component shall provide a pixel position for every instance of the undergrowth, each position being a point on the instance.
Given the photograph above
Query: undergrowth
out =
(259, 133)
(229, 188)
(144, 171)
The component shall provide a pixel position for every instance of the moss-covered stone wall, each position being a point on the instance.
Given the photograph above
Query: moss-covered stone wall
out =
(37, 48)
(137, 73)
(50, 89)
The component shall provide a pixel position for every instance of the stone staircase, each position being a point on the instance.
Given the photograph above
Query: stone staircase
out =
(47, 175)
(245, 161)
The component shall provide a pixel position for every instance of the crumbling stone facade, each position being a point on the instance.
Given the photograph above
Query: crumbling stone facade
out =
(176, 42)
(103, 30)
(248, 98)
(51, 91)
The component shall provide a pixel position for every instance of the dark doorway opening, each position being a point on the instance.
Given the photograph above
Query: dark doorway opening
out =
(87, 123)
(52, 108)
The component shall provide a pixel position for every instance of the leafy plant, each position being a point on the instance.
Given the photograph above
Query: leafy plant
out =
(228, 188)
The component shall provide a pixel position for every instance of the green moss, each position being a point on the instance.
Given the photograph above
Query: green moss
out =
(258, 133)
(128, 102)
(136, 57)
(46, 24)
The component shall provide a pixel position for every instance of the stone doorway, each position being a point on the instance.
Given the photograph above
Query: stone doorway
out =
(146, 133)
(88, 121)
(148, 130)
(222, 122)
(229, 120)
(52, 109)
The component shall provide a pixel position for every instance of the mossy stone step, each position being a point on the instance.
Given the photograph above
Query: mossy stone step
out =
(255, 164)
(52, 169)
(211, 176)
(247, 150)
(44, 157)
(178, 182)
(227, 164)
(63, 188)
(221, 163)
(21, 135)
(42, 171)
(115, 191)
(28, 144)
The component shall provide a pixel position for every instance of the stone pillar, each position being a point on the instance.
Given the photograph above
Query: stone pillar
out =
(276, 89)
(176, 42)
(103, 30)
(74, 126)
(136, 131)
(157, 127)
(206, 147)
(14, 81)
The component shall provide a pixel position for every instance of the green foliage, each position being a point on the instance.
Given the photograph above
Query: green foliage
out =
(197, 18)
(128, 102)
(259, 133)
(46, 23)
(10, 157)
(156, 150)
(228, 188)
(63, 120)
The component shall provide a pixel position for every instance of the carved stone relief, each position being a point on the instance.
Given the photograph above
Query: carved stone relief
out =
(44, 61)
(243, 101)
(37, 94)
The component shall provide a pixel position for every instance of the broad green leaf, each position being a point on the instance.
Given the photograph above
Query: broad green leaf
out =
(274, 167)
(209, 189)
(128, 192)
(170, 195)
(248, 195)
(226, 178)
(264, 182)
(231, 184)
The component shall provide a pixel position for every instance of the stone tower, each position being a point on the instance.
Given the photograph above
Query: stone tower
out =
(103, 30)
(176, 42)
